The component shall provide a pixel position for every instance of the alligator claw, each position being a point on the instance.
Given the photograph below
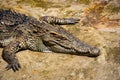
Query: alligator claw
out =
(15, 66)
(8, 67)
(73, 20)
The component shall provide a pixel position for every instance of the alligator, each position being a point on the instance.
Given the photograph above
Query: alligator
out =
(21, 32)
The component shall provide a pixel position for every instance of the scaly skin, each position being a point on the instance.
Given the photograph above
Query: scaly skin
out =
(20, 32)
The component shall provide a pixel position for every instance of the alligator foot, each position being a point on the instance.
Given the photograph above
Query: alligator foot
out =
(14, 65)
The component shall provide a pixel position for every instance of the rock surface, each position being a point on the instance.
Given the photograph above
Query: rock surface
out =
(54, 66)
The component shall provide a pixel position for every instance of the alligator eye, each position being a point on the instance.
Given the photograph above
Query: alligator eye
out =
(54, 33)
(35, 32)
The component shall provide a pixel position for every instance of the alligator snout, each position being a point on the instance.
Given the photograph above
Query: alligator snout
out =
(94, 52)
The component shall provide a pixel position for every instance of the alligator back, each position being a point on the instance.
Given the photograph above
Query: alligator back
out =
(11, 18)
(8, 25)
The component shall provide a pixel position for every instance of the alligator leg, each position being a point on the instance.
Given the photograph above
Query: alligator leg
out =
(59, 21)
(9, 55)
